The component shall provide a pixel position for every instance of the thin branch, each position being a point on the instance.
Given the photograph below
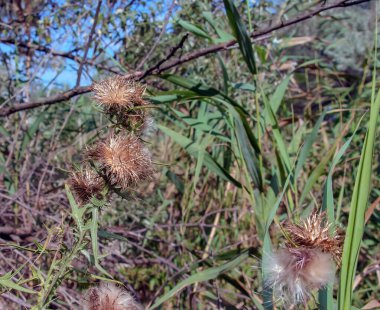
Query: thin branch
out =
(166, 21)
(67, 55)
(172, 52)
(185, 58)
(88, 43)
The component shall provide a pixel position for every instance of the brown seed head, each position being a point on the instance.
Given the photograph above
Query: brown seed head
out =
(126, 160)
(117, 93)
(108, 296)
(315, 232)
(85, 184)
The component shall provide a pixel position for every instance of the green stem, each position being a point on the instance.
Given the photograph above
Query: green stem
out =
(62, 271)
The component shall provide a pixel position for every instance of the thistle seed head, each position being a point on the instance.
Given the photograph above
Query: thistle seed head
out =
(108, 296)
(293, 273)
(125, 160)
(315, 232)
(118, 93)
(85, 184)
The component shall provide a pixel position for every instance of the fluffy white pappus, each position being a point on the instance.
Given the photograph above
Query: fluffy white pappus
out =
(108, 296)
(294, 273)
(150, 127)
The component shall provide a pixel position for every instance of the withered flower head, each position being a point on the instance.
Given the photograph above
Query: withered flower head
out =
(307, 261)
(85, 184)
(108, 296)
(293, 273)
(117, 93)
(125, 160)
(315, 232)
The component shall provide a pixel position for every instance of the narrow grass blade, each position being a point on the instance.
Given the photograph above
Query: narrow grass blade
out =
(278, 95)
(6, 282)
(248, 155)
(309, 141)
(197, 30)
(241, 35)
(224, 36)
(193, 149)
(279, 141)
(94, 241)
(358, 207)
(204, 275)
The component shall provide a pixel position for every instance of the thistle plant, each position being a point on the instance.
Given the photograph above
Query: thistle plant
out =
(108, 296)
(124, 160)
(86, 184)
(122, 100)
(113, 165)
(306, 263)
(121, 160)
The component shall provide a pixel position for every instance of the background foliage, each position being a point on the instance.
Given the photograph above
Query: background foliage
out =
(242, 138)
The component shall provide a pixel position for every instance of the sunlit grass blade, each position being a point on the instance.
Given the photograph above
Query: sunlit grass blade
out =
(326, 301)
(359, 200)
(358, 207)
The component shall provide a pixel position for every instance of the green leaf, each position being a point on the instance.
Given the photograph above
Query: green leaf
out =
(241, 34)
(358, 207)
(279, 94)
(280, 143)
(202, 276)
(359, 200)
(224, 36)
(94, 241)
(202, 90)
(194, 149)
(5, 281)
(328, 199)
(76, 212)
(309, 141)
(249, 155)
(194, 29)
(245, 86)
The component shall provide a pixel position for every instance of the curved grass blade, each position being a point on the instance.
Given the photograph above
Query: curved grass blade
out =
(194, 149)
(202, 276)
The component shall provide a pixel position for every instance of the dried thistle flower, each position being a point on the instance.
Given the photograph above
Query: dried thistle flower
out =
(108, 296)
(307, 261)
(85, 184)
(293, 273)
(118, 93)
(125, 160)
(315, 232)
